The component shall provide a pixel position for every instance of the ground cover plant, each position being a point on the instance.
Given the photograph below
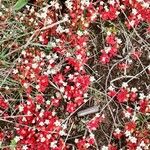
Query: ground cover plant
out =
(74, 75)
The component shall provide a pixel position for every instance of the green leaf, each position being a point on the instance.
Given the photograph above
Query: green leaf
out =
(19, 4)
(13, 144)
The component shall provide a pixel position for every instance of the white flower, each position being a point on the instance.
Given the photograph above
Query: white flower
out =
(101, 2)
(124, 84)
(127, 133)
(92, 78)
(127, 114)
(66, 17)
(16, 139)
(119, 41)
(68, 4)
(43, 139)
(43, 54)
(142, 144)
(76, 140)
(59, 29)
(61, 133)
(57, 123)
(132, 139)
(134, 118)
(48, 136)
(111, 88)
(41, 123)
(117, 131)
(85, 2)
(23, 52)
(56, 5)
(134, 11)
(107, 49)
(142, 96)
(145, 5)
(112, 2)
(24, 119)
(80, 33)
(21, 108)
(134, 90)
(138, 148)
(38, 107)
(62, 89)
(104, 148)
(34, 66)
(15, 71)
(24, 147)
(26, 85)
(79, 57)
(53, 144)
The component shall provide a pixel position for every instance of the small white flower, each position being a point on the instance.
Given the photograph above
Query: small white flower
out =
(76, 140)
(24, 119)
(107, 49)
(127, 133)
(61, 133)
(111, 88)
(38, 107)
(101, 3)
(57, 123)
(79, 57)
(117, 131)
(142, 96)
(142, 144)
(24, 147)
(92, 135)
(92, 78)
(21, 108)
(134, 90)
(132, 139)
(53, 144)
(48, 102)
(34, 66)
(16, 139)
(134, 11)
(23, 52)
(26, 85)
(43, 139)
(138, 148)
(106, 8)
(15, 71)
(145, 5)
(66, 17)
(48, 136)
(124, 84)
(119, 41)
(80, 33)
(68, 4)
(53, 113)
(104, 148)
(46, 122)
(127, 114)
(134, 117)
(112, 2)
(62, 89)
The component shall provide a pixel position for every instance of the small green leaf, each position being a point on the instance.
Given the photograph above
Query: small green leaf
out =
(13, 144)
(19, 4)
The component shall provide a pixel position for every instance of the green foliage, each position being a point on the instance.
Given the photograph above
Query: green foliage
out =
(13, 144)
(20, 4)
